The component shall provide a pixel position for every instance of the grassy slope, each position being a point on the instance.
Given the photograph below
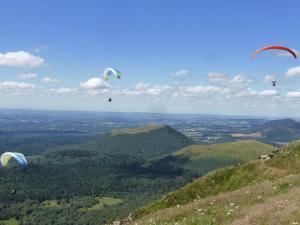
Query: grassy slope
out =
(244, 150)
(253, 193)
(9, 222)
(201, 159)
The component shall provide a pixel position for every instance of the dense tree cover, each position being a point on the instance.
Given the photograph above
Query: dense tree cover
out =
(37, 145)
(65, 175)
(152, 144)
(75, 175)
(62, 185)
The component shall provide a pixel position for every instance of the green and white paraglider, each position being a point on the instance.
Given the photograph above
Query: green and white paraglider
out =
(108, 72)
(19, 157)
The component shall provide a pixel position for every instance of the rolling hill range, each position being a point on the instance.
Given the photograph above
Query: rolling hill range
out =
(110, 176)
(255, 192)
(243, 150)
(200, 159)
(279, 132)
(280, 124)
(72, 180)
(148, 142)
(284, 130)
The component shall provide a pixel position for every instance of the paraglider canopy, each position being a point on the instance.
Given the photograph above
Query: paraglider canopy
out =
(108, 72)
(275, 47)
(19, 157)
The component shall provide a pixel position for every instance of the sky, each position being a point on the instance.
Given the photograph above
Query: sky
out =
(176, 56)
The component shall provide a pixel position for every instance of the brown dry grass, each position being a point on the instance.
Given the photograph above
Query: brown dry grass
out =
(282, 209)
(259, 204)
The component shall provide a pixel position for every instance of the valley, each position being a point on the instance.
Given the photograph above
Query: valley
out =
(96, 178)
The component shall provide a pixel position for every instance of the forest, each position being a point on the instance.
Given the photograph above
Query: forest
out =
(82, 180)
(94, 180)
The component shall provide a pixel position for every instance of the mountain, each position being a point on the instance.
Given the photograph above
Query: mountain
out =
(109, 176)
(255, 192)
(280, 124)
(92, 182)
(151, 141)
(275, 132)
(201, 159)
(284, 130)
(242, 150)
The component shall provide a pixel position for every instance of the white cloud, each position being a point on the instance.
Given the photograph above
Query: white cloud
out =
(143, 89)
(252, 93)
(128, 92)
(248, 92)
(49, 80)
(15, 85)
(28, 76)
(141, 86)
(214, 77)
(158, 89)
(94, 83)
(240, 81)
(63, 90)
(293, 94)
(40, 48)
(180, 73)
(20, 59)
(227, 95)
(237, 82)
(154, 91)
(268, 93)
(203, 89)
(293, 72)
(269, 78)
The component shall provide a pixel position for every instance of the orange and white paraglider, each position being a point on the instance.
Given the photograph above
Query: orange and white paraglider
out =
(275, 47)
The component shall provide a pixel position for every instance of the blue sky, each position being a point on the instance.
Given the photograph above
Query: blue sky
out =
(71, 42)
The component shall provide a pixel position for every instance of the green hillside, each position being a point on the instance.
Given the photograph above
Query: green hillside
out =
(63, 185)
(276, 132)
(281, 134)
(280, 124)
(201, 159)
(243, 150)
(257, 192)
(148, 142)
(283, 130)
(110, 176)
